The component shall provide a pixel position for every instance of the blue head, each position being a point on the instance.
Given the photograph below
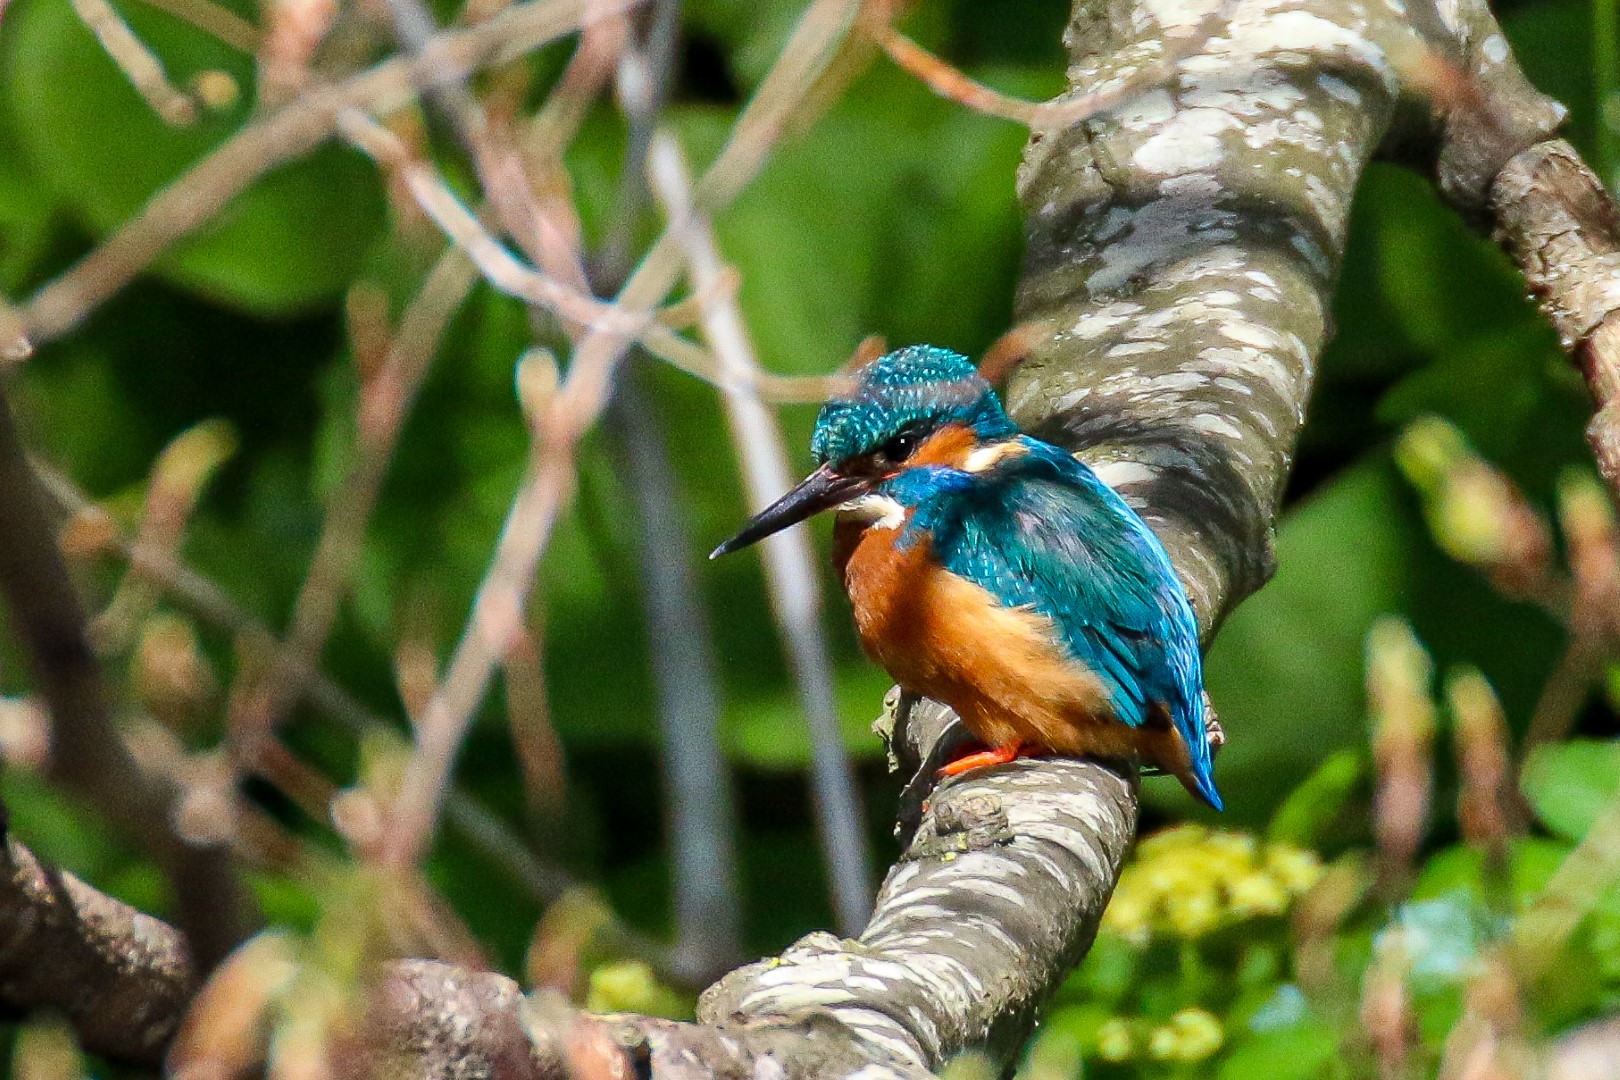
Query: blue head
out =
(864, 438)
(900, 399)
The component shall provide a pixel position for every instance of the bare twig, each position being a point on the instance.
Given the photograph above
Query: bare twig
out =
(214, 19)
(954, 85)
(549, 481)
(177, 480)
(143, 70)
(539, 751)
(203, 598)
(291, 132)
(88, 754)
(789, 562)
(700, 814)
(385, 401)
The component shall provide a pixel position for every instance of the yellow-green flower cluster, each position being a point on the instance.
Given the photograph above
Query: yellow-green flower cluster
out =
(1190, 880)
(632, 986)
(1191, 1035)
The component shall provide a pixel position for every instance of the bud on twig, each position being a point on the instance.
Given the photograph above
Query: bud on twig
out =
(1485, 804)
(1476, 514)
(1399, 674)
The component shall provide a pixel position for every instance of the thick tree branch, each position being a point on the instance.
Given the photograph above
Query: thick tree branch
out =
(1492, 154)
(121, 978)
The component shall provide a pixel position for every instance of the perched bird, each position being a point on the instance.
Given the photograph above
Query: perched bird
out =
(993, 572)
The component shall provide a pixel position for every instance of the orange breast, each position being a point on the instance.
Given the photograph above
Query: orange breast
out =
(1000, 668)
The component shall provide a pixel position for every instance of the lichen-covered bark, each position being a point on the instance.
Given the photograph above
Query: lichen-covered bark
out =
(1554, 218)
(1004, 879)
(1182, 251)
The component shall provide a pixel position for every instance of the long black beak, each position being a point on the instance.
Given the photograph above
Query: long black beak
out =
(821, 490)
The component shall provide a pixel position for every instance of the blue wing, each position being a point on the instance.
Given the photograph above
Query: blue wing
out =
(1041, 531)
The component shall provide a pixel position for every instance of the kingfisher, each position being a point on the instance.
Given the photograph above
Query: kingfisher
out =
(992, 571)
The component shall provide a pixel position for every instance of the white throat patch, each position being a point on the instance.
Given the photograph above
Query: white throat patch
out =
(875, 511)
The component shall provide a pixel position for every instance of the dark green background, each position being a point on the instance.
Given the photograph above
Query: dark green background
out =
(894, 215)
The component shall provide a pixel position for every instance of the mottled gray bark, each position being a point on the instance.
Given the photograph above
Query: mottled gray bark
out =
(1182, 251)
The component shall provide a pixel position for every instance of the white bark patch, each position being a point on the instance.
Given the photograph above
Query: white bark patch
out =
(1189, 142)
(1133, 348)
(1097, 323)
(1338, 88)
(1215, 425)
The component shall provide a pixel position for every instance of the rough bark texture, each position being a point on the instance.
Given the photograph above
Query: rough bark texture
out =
(1556, 221)
(1182, 251)
(121, 978)
(1003, 881)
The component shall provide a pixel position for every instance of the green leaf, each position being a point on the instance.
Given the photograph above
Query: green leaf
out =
(1531, 862)
(293, 239)
(1318, 804)
(1570, 784)
(1286, 671)
(1299, 1052)
(770, 732)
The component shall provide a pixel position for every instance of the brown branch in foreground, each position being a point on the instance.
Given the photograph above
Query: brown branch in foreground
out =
(88, 754)
(203, 598)
(121, 978)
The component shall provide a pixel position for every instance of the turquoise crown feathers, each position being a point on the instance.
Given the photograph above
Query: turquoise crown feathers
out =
(918, 387)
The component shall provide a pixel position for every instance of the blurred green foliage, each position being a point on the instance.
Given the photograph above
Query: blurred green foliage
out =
(895, 215)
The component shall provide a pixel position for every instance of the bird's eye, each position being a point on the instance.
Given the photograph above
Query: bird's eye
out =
(901, 446)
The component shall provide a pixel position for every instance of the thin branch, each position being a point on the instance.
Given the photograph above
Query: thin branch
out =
(203, 191)
(88, 754)
(214, 19)
(700, 813)
(953, 84)
(497, 614)
(549, 481)
(385, 401)
(534, 738)
(789, 562)
(200, 596)
(139, 65)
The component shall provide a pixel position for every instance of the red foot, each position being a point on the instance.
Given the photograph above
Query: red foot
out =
(1000, 755)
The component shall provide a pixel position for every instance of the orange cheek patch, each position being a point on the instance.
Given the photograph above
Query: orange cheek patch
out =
(950, 445)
